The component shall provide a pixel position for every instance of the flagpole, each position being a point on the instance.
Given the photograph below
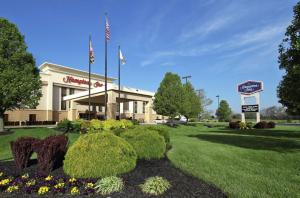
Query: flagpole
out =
(89, 79)
(119, 50)
(105, 116)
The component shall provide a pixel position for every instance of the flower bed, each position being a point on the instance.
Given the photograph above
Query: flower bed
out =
(42, 185)
(59, 185)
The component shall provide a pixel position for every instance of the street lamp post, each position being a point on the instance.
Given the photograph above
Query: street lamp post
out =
(218, 100)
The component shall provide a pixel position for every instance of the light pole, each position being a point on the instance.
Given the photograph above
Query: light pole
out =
(218, 100)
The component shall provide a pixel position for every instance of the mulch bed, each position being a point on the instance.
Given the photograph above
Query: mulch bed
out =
(183, 185)
(7, 132)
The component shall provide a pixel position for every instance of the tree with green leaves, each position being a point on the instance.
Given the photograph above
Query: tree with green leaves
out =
(168, 97)
(289, 59)
(224, 111)
(190, 105)
(20, 84)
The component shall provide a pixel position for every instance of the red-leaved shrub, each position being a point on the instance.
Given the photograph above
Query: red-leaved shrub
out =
(51, 152)
(234, 125)
(22, 150)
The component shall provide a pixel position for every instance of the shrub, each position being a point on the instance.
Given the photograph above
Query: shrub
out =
(271, 124)
(77, 125)
(126, 124)
(261, 125)
(242, 126)
(99, 155)
(22, 150)
(148, 144)
(95, 126)
(249, 125)
(64, 125)
(161, 131)
(234, 125)
(109, 185)
(50, 152)
(85, 126)
(155, 186)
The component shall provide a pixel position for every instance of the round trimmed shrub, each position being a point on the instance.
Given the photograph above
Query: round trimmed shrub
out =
(161, 131)
(99, 155)
(148, 144)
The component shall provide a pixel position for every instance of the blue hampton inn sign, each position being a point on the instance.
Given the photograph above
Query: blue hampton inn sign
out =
(250, 87)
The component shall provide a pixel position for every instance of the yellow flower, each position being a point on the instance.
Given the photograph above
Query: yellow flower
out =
(59, 185)
(74, 191)
(30, 183)
(1, 174)
(43, 190)
(89, 185)
(12, 188)
(4, 182)
(72, 180)
(49, 178)
(25, 176)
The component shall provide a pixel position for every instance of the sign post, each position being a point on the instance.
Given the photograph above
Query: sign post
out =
(248, 89)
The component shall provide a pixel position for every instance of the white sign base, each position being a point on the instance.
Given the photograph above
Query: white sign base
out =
(256, 95)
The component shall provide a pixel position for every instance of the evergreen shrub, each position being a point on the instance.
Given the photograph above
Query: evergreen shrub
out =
(161, 131)
(97, 155)
(148, 144)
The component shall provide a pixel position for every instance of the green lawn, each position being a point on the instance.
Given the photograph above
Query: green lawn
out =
(5, 152)
(253, 163)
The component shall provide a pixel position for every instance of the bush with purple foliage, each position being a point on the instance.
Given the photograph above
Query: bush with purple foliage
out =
(22, 150)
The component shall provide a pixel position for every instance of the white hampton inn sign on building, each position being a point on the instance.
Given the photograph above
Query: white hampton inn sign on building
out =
(65, 96)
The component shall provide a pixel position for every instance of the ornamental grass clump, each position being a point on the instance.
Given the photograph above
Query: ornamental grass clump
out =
(155, 186)
(109, 185)
(148, 144)
(99, 155)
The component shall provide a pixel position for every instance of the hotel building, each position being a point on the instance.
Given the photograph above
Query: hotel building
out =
(65, 96)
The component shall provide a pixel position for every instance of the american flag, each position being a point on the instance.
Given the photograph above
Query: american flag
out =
(91, 52)
(107, 34)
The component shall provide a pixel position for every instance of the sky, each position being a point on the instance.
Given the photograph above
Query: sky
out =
(220, 43)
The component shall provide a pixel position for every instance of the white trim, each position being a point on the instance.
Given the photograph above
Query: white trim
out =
(109, 87)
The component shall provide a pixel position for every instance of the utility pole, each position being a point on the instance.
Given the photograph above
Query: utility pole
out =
(186, 78)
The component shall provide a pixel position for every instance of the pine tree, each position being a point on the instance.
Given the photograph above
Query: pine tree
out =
(289, 59)
(224, 111)
(20, 84)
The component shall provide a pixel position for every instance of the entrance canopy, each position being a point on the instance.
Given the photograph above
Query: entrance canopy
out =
(97, 97)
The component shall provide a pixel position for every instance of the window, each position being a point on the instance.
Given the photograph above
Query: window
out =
(144, 107)
(72, 91)
(63, 104)
(32, 117)
(94, 108)
(135, 107)
(100, 108)
(5, 117)
(125, 106)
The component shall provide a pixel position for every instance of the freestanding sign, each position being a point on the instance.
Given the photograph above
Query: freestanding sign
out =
(248, 89)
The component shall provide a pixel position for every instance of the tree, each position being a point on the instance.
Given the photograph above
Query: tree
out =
(190, 105)
(168, 97)
(288, 90)
(274, 113)
(205, 102)
(20, 84)
(224, 111)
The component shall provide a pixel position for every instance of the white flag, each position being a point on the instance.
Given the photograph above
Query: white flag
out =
(122, 59)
